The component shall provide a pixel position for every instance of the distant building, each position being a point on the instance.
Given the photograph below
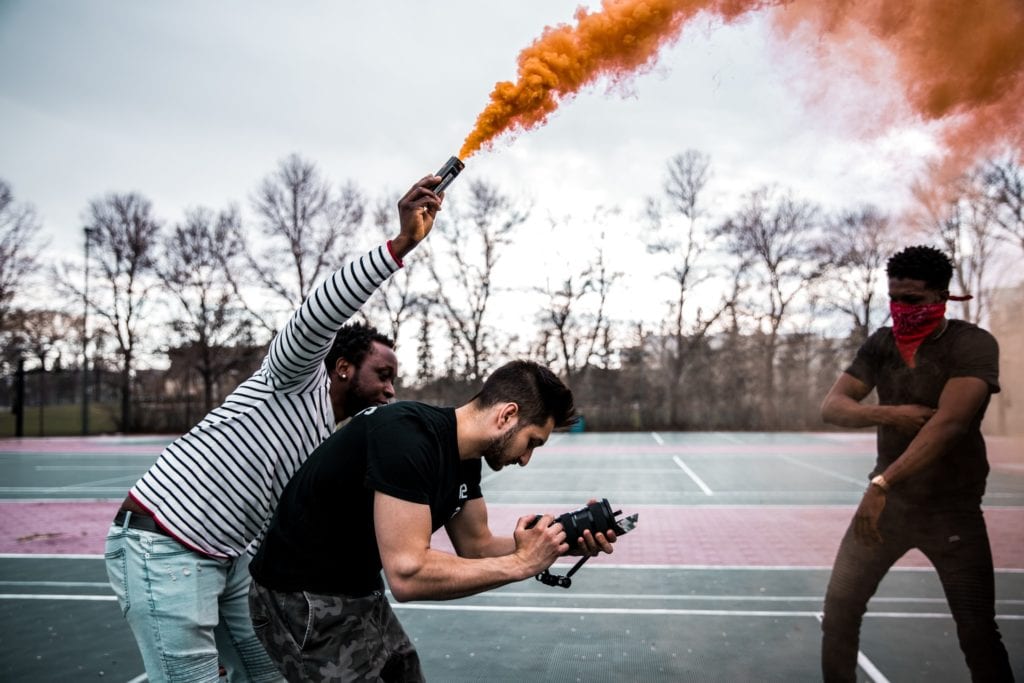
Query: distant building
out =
(1005, 415)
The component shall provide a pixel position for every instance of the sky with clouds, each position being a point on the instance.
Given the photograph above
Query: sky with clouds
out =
(193, 103)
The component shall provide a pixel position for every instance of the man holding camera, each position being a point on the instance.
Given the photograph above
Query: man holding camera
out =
(370, 497)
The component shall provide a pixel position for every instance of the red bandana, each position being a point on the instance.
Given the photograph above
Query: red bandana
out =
(912, 324)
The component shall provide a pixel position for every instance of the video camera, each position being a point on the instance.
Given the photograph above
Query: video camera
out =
(598, 517)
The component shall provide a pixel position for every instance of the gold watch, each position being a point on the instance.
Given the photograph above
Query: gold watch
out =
(879, 481)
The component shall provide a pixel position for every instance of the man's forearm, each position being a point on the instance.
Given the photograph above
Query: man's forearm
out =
(496, 546)
(298, 351)
(845, 412)
(442, 576)
(930, 443)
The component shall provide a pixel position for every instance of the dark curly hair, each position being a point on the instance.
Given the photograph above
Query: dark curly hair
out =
(353, 342)
(534, 388)
(921, 263)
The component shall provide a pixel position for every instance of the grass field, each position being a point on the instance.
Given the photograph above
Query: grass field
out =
(63, 420)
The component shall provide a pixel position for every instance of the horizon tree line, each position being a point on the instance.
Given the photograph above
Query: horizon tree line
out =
(763, 302)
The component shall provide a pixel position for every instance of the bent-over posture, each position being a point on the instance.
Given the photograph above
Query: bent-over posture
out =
(369, 499)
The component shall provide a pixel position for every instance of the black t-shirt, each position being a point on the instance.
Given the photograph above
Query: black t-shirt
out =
(963, 350)
(321, 538)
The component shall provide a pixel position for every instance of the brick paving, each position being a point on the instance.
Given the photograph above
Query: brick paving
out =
(773, 536)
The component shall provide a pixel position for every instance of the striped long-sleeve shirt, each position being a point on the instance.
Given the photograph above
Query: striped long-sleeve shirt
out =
(215, 488)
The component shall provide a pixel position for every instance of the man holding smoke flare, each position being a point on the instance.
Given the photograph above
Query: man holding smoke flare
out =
(369, 499)
(178, 551)
(934, 377)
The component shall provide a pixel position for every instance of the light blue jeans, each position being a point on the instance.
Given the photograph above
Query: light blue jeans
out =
(188, 612)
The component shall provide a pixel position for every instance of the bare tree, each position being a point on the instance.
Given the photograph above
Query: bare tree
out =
(852, 255)
(733, 397)
(308, 228)
(45, 336)
(462, 266)
(575, 320)
(19, 251)
(197, 255)
(425, 349)
(960, 217)
(400, 297)
(677, 230)
(776, 236)
(125, 237)
(1004, 183)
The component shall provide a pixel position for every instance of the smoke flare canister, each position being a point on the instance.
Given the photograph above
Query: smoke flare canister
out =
(451, 168)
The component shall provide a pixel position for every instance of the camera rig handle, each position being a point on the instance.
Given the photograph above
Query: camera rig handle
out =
(595, 516)
(549, 579)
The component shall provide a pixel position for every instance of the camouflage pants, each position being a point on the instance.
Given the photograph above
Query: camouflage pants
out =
(315, 637)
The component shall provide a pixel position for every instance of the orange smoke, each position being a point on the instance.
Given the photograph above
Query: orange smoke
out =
(622, 38)
(958, 62)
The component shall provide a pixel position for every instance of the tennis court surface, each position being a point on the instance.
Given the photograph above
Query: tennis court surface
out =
(722, 580)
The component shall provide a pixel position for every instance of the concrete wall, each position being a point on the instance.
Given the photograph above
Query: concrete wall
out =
(1005, 414)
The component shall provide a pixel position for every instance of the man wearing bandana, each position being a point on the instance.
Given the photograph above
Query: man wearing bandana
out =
(934, 377)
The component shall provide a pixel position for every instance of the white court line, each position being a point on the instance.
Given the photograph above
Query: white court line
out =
(657, 438)
(693, 475)
(54, 596)
(139, 679)
(721, 598)
(63, 584)
(530, 609)
(590, 567)
(545, 470)
(860, 483)
(66, 499)
(48, 556)
(68, 468)
(12, 455)
(867, 665)
(91, 484)
(594, 596)
(61, 489)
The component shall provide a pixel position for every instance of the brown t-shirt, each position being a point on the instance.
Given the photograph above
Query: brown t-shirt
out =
(963, 350)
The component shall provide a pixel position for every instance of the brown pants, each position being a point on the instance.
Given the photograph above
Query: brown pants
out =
(315, 637)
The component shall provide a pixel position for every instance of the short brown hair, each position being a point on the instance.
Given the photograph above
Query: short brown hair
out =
(534, 388)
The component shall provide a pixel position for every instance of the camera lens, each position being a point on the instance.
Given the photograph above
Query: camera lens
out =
(597, 517)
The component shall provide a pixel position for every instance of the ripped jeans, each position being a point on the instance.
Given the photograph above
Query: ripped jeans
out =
(189, 613)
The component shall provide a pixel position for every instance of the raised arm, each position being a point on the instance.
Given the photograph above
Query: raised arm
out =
(415, 571)
(295, 360)
(417, 210)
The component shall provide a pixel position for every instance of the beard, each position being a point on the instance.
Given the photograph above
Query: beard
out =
(496, 452)
(355, 401)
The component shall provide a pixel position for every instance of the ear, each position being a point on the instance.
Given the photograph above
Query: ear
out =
(343, 369)
(508, 414)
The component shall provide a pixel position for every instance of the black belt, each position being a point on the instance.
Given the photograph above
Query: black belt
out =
(138, 521)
